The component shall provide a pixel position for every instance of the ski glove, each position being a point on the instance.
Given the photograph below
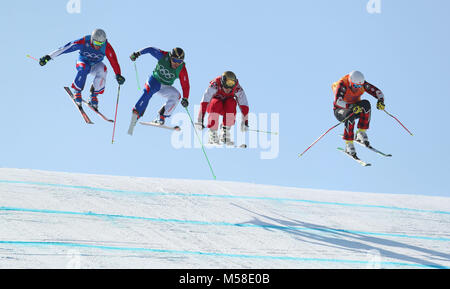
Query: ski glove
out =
(380, 104)
(120, 79)
(199, 125)
(43, 61)
(135, 55)
(184, 102)
(356, 109)
(244, 125)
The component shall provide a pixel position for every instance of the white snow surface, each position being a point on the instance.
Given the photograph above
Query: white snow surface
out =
(67, 220)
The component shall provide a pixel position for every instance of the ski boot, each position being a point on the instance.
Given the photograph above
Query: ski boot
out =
(93, 101)
(225, 137)
(161, 120)
(77, 96)
(361, 136)
(350, 148)
(213, 137)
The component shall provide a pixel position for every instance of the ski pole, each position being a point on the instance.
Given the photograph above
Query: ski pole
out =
(201, 142)
(137, 76)
(344, 120)
(35, 59)
(261, 131)
(115, 116)
(397, 121)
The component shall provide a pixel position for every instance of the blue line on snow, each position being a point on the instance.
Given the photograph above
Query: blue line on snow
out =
(327, 230)
(286, 258)
(222, 196)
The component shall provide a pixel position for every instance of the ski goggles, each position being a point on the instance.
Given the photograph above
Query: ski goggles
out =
(176, 60)
(357, 85)
(230, 83)
(97, 43)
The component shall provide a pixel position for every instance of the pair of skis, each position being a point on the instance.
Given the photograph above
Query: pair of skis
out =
(177, 128)
(358, 160)
(81, 110)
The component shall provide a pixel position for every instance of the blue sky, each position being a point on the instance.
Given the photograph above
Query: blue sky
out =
(286, 55)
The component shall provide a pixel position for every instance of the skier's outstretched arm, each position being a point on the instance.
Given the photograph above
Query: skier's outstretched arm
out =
(112, 57)
(341, 90)
(207, 96)
(68, 48)
(155, 52)
(185, 86)
(241, 98)
(184, 81)
(375, 92)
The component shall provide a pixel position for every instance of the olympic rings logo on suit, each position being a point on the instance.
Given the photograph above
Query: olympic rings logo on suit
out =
(92, 55)
(166, 73)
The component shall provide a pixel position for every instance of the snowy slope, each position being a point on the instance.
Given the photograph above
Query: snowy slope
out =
(66, 220)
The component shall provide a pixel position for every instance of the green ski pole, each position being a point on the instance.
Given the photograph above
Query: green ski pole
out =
(201, 142)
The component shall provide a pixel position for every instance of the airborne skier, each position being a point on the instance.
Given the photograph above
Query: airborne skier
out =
(170, 66)
(93, 48)
(347, 99)
(221, 97)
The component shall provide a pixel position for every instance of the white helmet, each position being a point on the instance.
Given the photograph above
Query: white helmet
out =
(98, 35)
(356, 78)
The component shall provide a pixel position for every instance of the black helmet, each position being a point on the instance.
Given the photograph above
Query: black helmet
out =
(228, 79)
(177, 53)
